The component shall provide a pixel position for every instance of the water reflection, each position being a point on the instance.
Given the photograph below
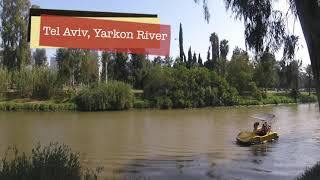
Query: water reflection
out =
(175, 144)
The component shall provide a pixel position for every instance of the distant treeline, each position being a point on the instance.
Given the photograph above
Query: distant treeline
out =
(104, 80)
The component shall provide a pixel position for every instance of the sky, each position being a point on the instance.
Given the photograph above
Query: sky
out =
(196, 30)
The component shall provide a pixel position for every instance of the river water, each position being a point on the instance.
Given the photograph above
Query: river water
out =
(175, 144)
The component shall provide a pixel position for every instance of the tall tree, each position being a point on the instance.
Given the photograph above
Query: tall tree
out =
(266, 26)
(200, 63)
(14, 20)
(194, 59)
(214, 40)
(105, 58)
(224, 50)
(189, 62)
(310, 77)
(265, 73)
(293, 77)
(40, 57)
(89, 67)
(139, 69)
(182, 55)
(209, 63)
(240, 71)
(68, 61)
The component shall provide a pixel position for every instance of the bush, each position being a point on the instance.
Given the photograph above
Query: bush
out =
(23, 82)
(305, 98)
(52, 162)
(139, 103)
(111, 96)
(311, 173)
(45, 83)
(37, 82)
(183, 88)
(255, 92)
(31, 106)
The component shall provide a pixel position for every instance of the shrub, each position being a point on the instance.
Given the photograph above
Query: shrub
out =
(183, 88)
(311, 173)
(305, 98)
(38, 82)
(45, 83)
(111, 96)
(4, 82)
(23, 82)
(139, 103)
(52, 162)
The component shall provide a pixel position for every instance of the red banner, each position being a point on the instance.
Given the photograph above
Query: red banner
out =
(86, 33)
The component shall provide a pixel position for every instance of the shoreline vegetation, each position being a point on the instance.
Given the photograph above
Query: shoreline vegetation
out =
(33, 105)
(58, 161)
(41, 89)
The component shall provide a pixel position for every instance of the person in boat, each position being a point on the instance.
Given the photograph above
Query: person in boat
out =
(256, 128)
(264, 129)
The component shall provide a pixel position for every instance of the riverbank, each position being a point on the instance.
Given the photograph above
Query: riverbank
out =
(26, 104)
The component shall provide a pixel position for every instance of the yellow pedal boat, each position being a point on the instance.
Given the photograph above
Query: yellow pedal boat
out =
(248, 138)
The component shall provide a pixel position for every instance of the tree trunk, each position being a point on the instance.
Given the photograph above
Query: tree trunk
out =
(309, 15)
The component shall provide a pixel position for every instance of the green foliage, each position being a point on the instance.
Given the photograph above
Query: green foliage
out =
(265, 73)
(14, 18)
(182, 88)
(38, 82)
(34, 106)
(23, 81)
(45, 83)
(240, 71)
(4, 81)
(52, 162)
(139, 70)
(111, 96)
(305, 98)
(40, 57)
(255, 92)
(141, 103)
(76, 66)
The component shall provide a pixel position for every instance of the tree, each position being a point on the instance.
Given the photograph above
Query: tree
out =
(158, 61)
(293, 77)
(139, 69)
(105, 58)
(77, 66)
(89, 68)
(68, 64)
(14, 19)
(265, 73)
(40, 57)
(168, 61)
(200, 63)
(182, 55)
(214, 40)
(309, 77)
(224, 50)
(194, 59)
(189, 62)
(240, 71)
(266, 26)
(209, 63)
(121, 70)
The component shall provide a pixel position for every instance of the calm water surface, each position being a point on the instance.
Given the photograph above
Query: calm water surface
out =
(175, 144)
